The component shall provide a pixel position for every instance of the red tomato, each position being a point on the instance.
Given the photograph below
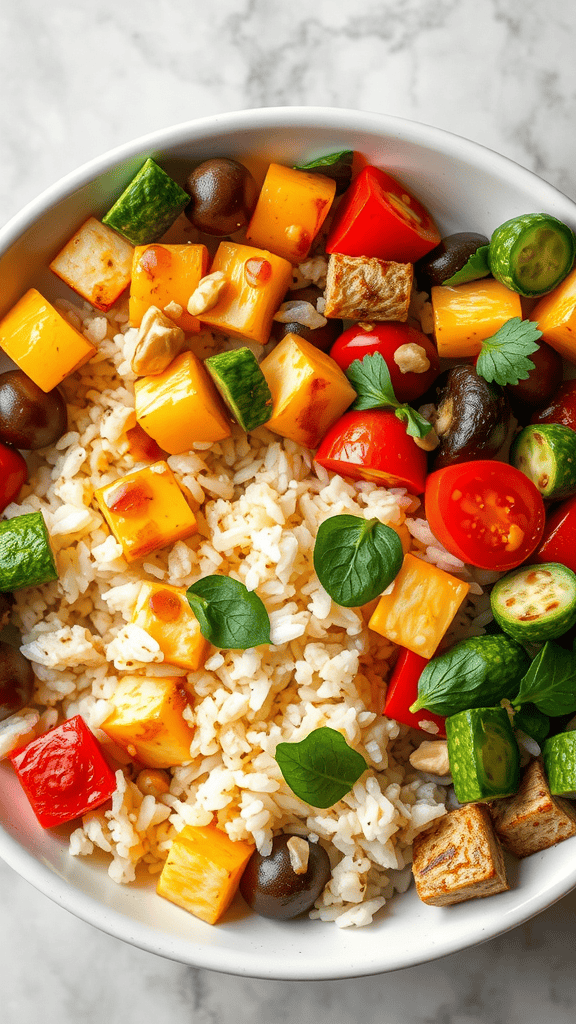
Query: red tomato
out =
(403, 691)
(374, 445)
(559, 540)
(561, 408)
(487, 513)
(13, 473)
(357, 342)
(379, 217)
(540, 385)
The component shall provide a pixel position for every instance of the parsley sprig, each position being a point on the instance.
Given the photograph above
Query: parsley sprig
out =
(370, 378)
(504, 357)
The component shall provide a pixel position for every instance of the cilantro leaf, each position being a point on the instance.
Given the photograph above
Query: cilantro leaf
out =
(416, 424)
(370, 378)
(476, 266)
(504, 357)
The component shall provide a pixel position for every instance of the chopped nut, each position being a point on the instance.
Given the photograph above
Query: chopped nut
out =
(366, 326)
(299, 851)
(297, 311)
(153, 782)
(432, 757)
(411, 358)
(207, 293)
(174, 310)
(365, 288)
(428, 443)
(160, 340)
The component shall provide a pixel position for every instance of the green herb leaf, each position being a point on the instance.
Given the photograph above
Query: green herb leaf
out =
(416, 425)
(532, 721)
(504, 357)
(370, 378)
(229, 615)
(334, 165)
(476, 266)
(356, 559)
(321, 768)
(550, 682)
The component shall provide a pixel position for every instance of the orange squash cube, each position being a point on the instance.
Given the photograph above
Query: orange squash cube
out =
(166, 273)
(167, 617)
(146, 510)
(420, 607)
(555, 315)
(257, 281)
(147, 720)
(41, 342)
(290, 211)
(309, 390)
(467, 314)
(96, 263)
(203, 871)
(181, 406)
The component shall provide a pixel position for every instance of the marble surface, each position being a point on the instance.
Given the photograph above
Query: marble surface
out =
(77, 79)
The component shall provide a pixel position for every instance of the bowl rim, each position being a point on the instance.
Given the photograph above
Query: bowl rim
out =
(34, 870)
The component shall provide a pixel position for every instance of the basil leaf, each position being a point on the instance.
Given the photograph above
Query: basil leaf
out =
(334, 165)
(550, 682)
(477, 672)
(504, 357)
(229, 615)
(533, 722)
(476, 266)
(321, 768)
(356, 559)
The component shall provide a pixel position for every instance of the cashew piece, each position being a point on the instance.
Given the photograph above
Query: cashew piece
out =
(432, 757)
(160, 340)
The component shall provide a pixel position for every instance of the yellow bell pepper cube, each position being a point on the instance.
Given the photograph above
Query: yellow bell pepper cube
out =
(203, 871)
(181, 406)
(146, 510)
(420, 607)
(41, 342)
(290, 211)
(96, 263)
(467, 314)
(162, 274)
(309, 391)
(147, 720)
(555, 315)
(256, 284)
(167, 617)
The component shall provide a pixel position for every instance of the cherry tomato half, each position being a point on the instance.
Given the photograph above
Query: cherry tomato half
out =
(387, 338)
(561, 408)
(379, 217)
(373, 445)
(13, 473)
(487, 513)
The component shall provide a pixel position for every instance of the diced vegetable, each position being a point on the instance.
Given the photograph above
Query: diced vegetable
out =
(532, 253)
(26, 558)
(148, 206)
(164, 274)
(402, 692)
(468, 313)
(422, 602)
(64, 773)
(291, 208)
(256, 282)
(559, 540)
(535, 603)
(148, 722)
(559, 753)
(411, 358)
(180, 406)
(242, 385)
(309, 391)
(546, 453)
(555, 315)
(96, 263)
(483, 753)
(146, 510)
(143, 447)
(165, 614)
(13, 473)
(532, 820)
(373, 445)
(41, 342)
(203, 871)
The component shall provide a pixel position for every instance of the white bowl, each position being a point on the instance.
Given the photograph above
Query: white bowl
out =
(465, 186)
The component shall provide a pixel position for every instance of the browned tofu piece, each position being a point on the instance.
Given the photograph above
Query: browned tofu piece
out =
(365, 288)
(532, 819)
(459, 859)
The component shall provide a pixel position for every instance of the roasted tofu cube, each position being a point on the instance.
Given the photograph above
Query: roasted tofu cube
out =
(203, 871)
(96, 263)
(148, 722)
(167, 617)
(532, 819)
(146, 510)
(366, 288)
(459, 859)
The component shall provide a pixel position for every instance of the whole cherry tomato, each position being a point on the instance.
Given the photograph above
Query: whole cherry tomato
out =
(540, 385)
(559, 540)
(487, 513)
(561, 408)
(13, 473)
(373, 445)
(387, 338)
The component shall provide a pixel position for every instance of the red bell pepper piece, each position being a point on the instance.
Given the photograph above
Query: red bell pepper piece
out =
(403, 691)
(379, 217)
(559, 541)
(63, 773)
(13, 473)
(373, 445)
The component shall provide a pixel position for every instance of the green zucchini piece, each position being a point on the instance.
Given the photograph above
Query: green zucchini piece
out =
(533, 722)
(26, 558)
(483, 754)
(242, 385)
(546, 453)
(535, 602)
(148, 206)
(477, 672)
(532, 254)
(559, 754)
(335, 165)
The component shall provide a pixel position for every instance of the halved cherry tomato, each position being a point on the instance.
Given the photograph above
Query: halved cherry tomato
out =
(13, 473)
(373, 445)
(402, 692)
(561, 408)
(559, 540)
(387, 338)
(379, 217)
(487, 513)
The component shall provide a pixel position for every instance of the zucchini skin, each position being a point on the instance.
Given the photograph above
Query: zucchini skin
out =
(506, 242)
(549, 625)
(26, 558)
(559, 755)
(483, 754)
(546, 454)
(148, 206)
(242, 385)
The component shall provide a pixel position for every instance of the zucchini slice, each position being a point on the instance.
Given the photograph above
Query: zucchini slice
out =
(532, 254)
(536, 602)
(559, 754)
(26, 558)
(242, 385)
(483, 754)
(546, 453)
(148, 206)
